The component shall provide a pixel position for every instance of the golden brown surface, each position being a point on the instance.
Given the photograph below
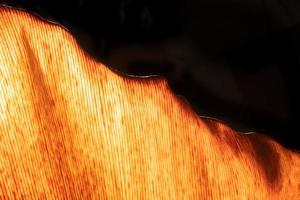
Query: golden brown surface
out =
(70, 128)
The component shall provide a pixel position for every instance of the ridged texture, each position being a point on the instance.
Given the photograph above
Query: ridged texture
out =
(70, 128)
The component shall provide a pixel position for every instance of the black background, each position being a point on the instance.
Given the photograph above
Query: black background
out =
(235, 60)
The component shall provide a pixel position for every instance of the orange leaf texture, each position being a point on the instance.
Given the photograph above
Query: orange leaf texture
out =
(72, 128)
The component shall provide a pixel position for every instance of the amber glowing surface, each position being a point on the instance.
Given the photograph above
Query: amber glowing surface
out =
(71, 128)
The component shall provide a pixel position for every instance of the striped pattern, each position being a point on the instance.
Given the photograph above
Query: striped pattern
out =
(71, 128)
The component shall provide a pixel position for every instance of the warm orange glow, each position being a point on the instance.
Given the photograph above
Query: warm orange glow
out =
(70, 128)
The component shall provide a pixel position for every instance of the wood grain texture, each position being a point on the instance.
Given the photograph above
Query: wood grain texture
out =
(71, 128)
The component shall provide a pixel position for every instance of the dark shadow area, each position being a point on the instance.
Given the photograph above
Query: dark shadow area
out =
(237, 61)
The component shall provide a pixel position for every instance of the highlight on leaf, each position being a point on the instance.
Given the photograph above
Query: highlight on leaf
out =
(71, 128)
